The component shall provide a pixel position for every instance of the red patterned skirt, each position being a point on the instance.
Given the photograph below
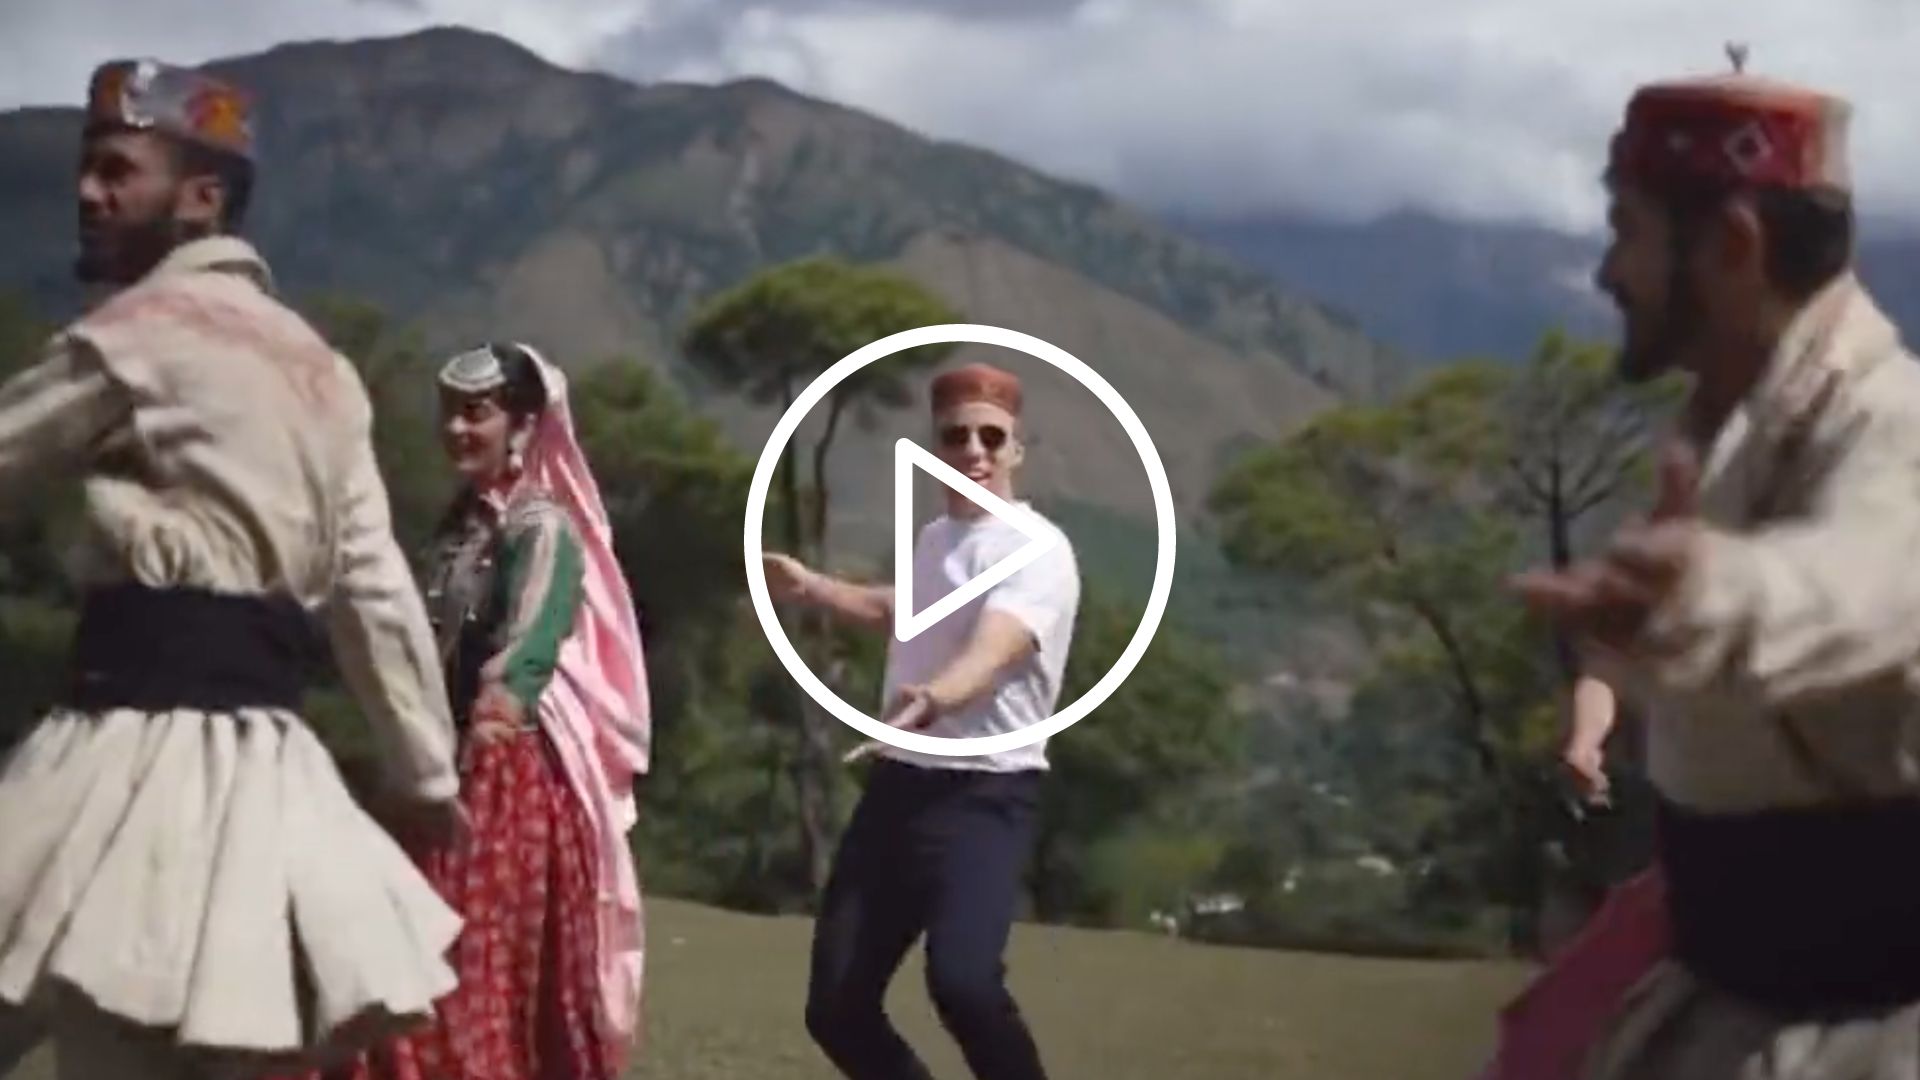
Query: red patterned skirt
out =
(527, 1007)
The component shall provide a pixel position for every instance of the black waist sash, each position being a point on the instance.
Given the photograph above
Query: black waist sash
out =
(1808, 911)
(178, 648)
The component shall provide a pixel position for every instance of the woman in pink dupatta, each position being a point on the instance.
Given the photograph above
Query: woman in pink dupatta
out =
(596, 710)
(542, 651)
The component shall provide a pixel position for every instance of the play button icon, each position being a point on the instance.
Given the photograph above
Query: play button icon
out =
(908, 624)
(1040, 539)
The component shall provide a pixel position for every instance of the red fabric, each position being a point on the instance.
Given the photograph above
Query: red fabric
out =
(977, 382)
(1546, 1033)
(527, 1004)
(1728, 131)
(186, 102)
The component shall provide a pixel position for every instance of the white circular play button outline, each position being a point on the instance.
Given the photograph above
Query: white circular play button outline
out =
(956, 333)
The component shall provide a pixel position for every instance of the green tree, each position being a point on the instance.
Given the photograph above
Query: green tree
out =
(1130, 778)
(1414, 513)
(1580, 447)
(720, 803)
(1577, 443)
(766, 340)
(675, 490)
(1391, 506)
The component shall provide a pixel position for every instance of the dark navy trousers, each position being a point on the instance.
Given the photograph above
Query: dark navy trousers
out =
(939, 852)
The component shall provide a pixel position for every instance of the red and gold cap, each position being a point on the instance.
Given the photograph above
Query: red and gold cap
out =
(151, 96)
(1735, 130)
(976, 382)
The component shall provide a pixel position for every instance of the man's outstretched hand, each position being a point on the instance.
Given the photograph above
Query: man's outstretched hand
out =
(913, 708)
(1609, 599)
(787, 577)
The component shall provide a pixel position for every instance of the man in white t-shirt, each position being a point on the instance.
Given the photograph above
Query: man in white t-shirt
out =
(938, 844)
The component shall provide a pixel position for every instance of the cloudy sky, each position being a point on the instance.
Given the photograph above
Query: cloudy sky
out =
(1336, 108)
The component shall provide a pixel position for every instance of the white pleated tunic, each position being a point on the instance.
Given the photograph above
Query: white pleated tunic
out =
(207, 874)
(1783, 675)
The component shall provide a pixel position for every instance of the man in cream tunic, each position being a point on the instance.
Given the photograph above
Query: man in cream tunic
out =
(186, 886)
(1768, 610)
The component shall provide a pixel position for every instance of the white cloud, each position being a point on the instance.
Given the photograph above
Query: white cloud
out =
(1475, 108)
(48, 47)
(1482, 108)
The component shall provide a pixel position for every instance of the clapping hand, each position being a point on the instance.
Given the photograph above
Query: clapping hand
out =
(498, 717)
(1609, 599)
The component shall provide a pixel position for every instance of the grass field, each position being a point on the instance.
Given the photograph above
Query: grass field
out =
(725, 994)
(724, 997)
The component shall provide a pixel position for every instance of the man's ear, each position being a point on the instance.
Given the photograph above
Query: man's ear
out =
(200, 201)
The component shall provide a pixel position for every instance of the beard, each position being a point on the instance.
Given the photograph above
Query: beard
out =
(1658, 338)
(1649, 351)
(123, 254)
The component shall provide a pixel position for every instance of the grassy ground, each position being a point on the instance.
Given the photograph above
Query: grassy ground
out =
(725, 994)
(725, 991)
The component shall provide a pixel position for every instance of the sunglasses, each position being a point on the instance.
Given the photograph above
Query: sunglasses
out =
(956, 436)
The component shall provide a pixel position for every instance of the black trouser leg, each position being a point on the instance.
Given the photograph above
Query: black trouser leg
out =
(941, 851)
(981, 844)
(868, 920)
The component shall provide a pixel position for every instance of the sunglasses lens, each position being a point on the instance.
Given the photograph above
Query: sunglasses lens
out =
(956, 437)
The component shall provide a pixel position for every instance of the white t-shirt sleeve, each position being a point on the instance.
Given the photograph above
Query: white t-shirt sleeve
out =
(1042, 594)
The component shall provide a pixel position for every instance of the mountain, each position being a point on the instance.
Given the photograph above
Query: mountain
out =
(1436, 289)
(1439, 290)
(466, 185)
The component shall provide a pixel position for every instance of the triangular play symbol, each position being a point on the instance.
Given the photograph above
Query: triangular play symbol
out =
(908, 625)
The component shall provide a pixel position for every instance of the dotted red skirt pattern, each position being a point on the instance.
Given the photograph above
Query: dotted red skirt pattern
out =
(527, 1007)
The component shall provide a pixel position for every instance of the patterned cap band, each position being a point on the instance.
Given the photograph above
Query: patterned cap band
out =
(152, 96)
(976, 382)
(1733, 130)
(476, 371)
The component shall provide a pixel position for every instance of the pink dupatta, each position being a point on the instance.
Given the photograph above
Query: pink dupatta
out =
(1547, 1032)
(596, 709)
